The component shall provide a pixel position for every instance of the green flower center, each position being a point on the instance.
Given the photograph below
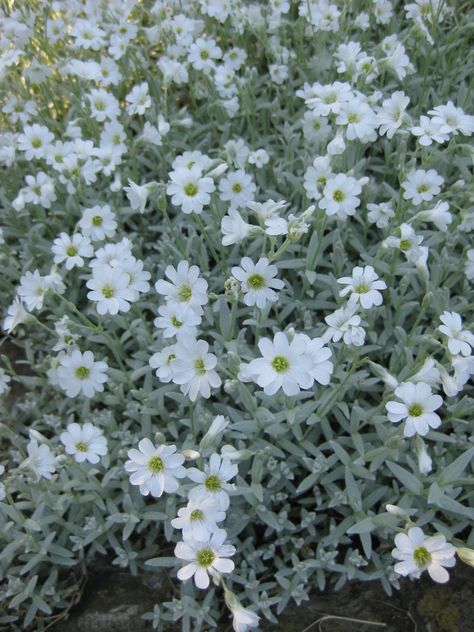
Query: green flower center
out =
(256, 281)
(185, 293)
(82, 372)
(170, 357)
(212, 483)
(97, 220)
(175, 322)
(99, 105)
(197, 514)
(156, 465)
(205, 557)
(353, 118)
(108, 291)
(81, 446)
(204, 54)
(338, 195)
(331, 98)
(415, 410)
(36, 143)
(423, 188)
(236, 187)
(71, 251)
(199, 366)
(422, 556)
(322, 181)
(280, 364)
(405, 245)
(362, 288)
(190, 189)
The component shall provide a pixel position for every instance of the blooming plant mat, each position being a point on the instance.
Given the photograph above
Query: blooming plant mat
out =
(237, 267)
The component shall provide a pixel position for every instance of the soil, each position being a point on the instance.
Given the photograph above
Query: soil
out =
(115, 601)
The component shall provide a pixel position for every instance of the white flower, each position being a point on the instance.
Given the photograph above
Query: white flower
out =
(363, 286)
(161, 362)
(315, 128)
(35, 141)
(320, 367)
(214, 481)
(340, 196)
(39, 191)
(418, 554)
(360, 119)
(16, 315)
(390, 115)
(284, 365)
(155, 470)
(259, 158)
(33, 288)
(408, 242)
(98, 222)
(430, 130)
(459, 340)
(238, 188)
(86, 443)
(80, 373)
(417, 406)
(138, 100)
(186, 286)
(72, 250)
(103, 105)
(425, 464)
(177, 319)
(316, 177)
(4, 381)
(137, 277)
(439, 215)
(453, 117)
(345, 323)
(257, 281)
(234, 229)
(189, 189)
(199, 518)
(205, 557)
(189, 159)
(193, 368)
(421, 186)
(380, 214)
(469, 265)
(202, 54)
(110, 289)
(266, 209)
(138, 195)
(336, 146)
(40, 459)
(243, 618)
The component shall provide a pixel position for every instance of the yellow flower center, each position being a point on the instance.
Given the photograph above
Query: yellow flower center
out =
(280, 364)
(156, 465)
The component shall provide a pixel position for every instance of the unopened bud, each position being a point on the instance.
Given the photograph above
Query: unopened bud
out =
(465, 554)
(190, 455)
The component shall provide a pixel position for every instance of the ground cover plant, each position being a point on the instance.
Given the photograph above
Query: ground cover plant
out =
(237, 269)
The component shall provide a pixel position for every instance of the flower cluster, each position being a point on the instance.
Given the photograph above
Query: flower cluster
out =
(240, 220)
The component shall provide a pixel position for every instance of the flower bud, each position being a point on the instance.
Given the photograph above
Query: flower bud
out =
(337, 146)
(190, 455)
(397, 511)
(218, 170)
(465, 554)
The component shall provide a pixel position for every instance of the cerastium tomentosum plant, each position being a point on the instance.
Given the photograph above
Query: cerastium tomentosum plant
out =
(237, 279)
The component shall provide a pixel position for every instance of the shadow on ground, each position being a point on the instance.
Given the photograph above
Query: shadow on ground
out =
(114, 601)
